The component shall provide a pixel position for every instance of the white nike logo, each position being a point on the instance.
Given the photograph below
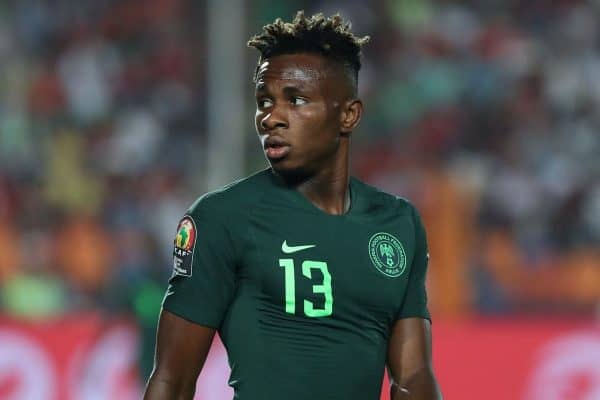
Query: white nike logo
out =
(292, 249)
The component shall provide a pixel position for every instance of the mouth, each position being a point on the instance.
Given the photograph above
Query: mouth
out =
(276, 148)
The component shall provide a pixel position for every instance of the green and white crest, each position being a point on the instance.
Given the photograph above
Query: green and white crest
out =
(387, 254)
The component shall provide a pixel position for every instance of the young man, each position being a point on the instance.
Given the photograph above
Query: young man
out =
(314, 280)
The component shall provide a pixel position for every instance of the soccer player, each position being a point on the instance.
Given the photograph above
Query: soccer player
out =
(314, 280)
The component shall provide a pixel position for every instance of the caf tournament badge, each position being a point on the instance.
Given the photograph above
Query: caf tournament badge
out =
(183, 253)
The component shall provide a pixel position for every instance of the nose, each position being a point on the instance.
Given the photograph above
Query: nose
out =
(273, 120)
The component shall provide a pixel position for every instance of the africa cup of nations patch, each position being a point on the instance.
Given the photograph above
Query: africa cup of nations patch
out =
(183, 252)
(387, 254)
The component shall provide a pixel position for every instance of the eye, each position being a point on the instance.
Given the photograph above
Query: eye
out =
(298, 101)
(264, 103)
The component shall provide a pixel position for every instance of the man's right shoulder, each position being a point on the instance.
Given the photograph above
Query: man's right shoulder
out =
(236, 196)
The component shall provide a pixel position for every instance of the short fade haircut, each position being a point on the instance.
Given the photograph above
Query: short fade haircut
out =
(329, 37)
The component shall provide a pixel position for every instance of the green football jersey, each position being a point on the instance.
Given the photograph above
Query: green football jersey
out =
(304, 301)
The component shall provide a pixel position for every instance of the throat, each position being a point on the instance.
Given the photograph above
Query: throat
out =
(331, 197)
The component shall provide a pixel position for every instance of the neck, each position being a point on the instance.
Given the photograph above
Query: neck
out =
(328, 189)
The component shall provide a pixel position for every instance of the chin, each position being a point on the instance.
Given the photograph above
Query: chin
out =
(290, 173)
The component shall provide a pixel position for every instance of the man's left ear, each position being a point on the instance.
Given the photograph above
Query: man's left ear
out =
(351, 114)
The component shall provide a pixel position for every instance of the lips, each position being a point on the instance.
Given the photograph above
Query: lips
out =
(276, 148)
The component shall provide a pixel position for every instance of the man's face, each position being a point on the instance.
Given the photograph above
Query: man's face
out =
(299, 98)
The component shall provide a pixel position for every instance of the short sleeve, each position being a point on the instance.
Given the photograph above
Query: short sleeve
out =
(203, 281)
(415, 298)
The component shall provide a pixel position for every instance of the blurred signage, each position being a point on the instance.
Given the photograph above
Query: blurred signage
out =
(86, 357)
(79, 357)
(520, 359)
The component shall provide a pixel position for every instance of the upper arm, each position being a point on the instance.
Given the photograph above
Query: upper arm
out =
(414, 303)
(409, 349)
(181, 349)
(200, 291)
(204, 261)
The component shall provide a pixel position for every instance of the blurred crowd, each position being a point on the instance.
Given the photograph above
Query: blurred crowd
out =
(484, 114)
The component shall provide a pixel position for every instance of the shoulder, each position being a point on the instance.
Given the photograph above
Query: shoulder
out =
(233, 197)
(377, 200)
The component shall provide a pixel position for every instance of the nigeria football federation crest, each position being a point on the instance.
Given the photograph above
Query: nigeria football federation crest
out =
(183, 254)
(387, 254)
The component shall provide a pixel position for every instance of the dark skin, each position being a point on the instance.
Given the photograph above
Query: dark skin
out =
(306, 111)
(409, 361)
(307, 103)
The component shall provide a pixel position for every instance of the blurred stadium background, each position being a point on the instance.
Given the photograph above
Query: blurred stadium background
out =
(116, 114)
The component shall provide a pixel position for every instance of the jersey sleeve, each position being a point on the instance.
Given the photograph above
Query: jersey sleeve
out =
(415, 298)
(203, 281)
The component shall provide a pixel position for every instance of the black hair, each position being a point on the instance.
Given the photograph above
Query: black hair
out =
(329, 37)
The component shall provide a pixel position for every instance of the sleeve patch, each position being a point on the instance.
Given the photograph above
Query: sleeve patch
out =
(184, 244)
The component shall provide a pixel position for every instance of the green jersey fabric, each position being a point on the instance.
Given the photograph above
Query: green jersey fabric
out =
(304, 301)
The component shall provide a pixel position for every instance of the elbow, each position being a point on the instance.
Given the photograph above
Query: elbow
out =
(419, 385)
(164, 385)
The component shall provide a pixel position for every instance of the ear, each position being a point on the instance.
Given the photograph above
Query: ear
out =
(350, 115)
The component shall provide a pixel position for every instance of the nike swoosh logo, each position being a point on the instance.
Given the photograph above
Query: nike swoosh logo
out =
(292, 249)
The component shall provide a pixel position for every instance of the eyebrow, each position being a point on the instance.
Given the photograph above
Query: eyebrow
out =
(288, 89)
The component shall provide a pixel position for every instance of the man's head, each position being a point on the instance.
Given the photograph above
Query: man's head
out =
(306, 87)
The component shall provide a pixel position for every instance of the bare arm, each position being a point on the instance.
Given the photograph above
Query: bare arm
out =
(181, 350)
(409, 361)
